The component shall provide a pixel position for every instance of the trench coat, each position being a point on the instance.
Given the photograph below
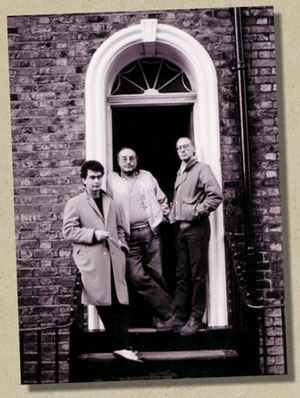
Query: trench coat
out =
(96, 260)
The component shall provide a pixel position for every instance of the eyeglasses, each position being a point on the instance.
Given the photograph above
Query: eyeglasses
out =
(181, 147)
(124, 159)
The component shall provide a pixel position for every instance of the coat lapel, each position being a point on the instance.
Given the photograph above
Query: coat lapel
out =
(92, 203)
(106, 205)
(180, 178)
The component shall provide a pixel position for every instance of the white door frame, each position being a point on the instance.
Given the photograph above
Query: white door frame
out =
(148, 39)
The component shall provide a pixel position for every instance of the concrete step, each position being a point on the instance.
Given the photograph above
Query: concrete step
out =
(103, 366)
(190, 355)
(208, 353)
(149, 339)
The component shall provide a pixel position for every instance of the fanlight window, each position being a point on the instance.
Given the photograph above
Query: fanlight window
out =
(151, 76)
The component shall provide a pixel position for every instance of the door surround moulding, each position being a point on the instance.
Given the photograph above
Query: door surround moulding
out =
(142, 40)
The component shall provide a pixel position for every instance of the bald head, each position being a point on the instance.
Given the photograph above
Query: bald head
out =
(127, 160)
(185, 149)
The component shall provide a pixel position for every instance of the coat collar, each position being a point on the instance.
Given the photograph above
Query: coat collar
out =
(105, 204)
(182, 176)
(191, 163)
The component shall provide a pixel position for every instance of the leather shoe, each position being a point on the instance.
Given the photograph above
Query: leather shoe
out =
(191, 327)
(165, 326)
(177, 323)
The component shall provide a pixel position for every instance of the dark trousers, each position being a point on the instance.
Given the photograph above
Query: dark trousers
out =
(144, 271)
(115, 320)
(192, 265)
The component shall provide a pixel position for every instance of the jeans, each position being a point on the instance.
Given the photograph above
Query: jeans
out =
(144, 271)
(192, 266)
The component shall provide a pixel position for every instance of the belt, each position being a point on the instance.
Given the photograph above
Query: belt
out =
(197, 221)
(184, 224)
(141, 226)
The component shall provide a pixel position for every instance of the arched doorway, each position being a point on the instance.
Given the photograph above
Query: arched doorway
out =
(151, 107)
(150, 39)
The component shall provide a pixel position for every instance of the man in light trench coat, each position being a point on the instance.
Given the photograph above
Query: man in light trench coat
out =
(91, 223)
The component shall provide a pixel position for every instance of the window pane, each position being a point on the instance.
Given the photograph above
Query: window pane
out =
(151, 74)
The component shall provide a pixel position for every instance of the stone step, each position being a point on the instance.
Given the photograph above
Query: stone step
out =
(103, 366)
(191, 355)
(149, 339)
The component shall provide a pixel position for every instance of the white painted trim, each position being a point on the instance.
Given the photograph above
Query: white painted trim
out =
(160, 99)
(181, 48)
(149, 27)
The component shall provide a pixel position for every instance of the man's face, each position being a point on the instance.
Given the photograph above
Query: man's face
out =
(127, 161)
(93, 181)
(185, 149)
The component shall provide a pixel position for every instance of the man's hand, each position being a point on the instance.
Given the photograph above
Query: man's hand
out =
(101, 235)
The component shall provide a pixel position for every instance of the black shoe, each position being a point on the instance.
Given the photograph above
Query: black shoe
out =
(129, 355)
(165, 326)
(191, 327)
(177, 323)
(155, 319)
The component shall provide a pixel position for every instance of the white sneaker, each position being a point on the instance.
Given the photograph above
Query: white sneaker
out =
(130, 355)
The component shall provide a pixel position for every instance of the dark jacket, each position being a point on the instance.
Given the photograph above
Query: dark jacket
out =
(196, 192)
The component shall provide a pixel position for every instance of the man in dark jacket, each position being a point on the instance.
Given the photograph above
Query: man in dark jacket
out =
(196, 195)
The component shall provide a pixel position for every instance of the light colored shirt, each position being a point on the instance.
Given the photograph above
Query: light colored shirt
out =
(182, 168)
(137, 211)
(153, 199)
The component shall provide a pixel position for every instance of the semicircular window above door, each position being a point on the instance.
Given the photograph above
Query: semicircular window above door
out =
(151, 76)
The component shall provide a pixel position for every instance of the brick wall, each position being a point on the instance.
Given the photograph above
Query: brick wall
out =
(49, 56)
(263, 127)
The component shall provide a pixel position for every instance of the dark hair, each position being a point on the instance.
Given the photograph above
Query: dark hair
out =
(93, 165)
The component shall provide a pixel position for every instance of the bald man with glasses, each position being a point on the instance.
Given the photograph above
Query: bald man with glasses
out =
(143, 207)
(196, 194)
